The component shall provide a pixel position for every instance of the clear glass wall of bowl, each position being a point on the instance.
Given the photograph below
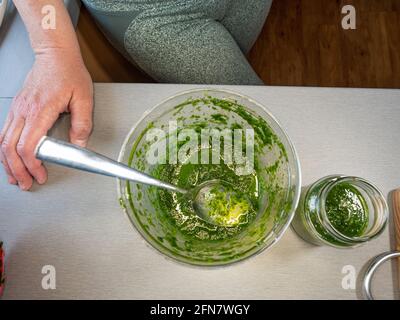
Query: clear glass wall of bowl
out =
(277, 201)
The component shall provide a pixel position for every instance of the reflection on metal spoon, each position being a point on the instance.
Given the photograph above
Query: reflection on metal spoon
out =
(218, 203)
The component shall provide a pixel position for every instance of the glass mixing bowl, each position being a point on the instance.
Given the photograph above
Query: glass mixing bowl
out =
(278, 180)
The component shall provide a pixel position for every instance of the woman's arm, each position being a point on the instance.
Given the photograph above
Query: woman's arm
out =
(58, 82)
(63, 36)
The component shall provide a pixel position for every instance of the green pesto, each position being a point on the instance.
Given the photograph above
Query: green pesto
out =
(219, 118)
(346, 210)
(227, 207)
(175, 211)
(180, 207)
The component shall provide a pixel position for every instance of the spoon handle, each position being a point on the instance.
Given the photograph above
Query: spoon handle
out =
(72, 156)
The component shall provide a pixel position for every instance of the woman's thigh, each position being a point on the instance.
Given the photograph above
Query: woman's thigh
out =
(245, 19)
(188, 49)
(114, 17)
(176, 40)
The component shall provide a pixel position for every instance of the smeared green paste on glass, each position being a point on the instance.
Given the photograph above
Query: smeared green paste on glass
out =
(176, 211)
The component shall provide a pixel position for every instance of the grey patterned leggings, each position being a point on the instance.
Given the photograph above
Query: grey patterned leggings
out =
(185, 41)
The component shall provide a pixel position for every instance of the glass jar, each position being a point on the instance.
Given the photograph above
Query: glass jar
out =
(340, 211)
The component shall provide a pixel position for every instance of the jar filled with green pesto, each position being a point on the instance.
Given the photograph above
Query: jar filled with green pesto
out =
(340, 211)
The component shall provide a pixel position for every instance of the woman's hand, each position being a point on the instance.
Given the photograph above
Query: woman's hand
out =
(58, 82)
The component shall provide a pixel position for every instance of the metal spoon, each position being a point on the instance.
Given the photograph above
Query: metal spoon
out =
(69, 155)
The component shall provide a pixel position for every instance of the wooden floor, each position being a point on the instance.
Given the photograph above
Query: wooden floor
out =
(302, 44)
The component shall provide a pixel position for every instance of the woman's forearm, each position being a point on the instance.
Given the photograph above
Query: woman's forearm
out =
(42, 39)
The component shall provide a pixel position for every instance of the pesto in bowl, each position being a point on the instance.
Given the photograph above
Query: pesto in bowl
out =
(204, 135)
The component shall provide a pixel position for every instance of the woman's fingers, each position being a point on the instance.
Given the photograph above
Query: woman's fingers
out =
(25, 149)
(9, 151)
(35, 128)
(18, 145)
(3, 160)
(21, 135)
(11, 179)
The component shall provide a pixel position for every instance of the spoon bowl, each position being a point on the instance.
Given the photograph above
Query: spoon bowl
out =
(217, 202)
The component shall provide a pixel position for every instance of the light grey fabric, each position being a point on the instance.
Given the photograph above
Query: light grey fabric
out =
(245, 19)
(185, 41)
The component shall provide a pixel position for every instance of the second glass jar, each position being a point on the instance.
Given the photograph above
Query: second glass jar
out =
(340, 211)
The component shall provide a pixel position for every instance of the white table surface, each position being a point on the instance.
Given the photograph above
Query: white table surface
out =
(75, 223)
